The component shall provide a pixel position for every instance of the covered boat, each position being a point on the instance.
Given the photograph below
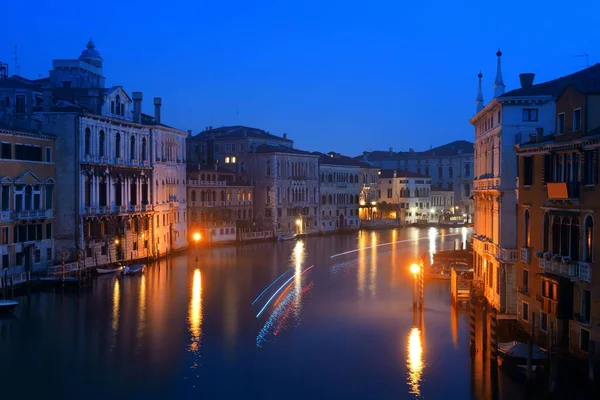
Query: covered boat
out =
(133, 269)
(514, 354)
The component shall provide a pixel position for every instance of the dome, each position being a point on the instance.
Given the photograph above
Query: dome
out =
(91, 55)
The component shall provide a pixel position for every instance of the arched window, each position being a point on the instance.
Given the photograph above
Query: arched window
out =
(269, 168)
(250, 197)
(118, 104)
(222, 195)
(229, 195)
(202, 196)
(132, 148)
(202, 177)
(526, 229)
(588, 245)
(546, 231)
(330, 199)
(193, 195)
(244, 214)
(87, 143)
(239, 195)
(118, 145)
(268, 195)
(144, 155)
(101, 144)
(239, 214)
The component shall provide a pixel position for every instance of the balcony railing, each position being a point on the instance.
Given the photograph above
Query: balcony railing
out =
(525, 255)
(573, 270)
(486, 184)
(30, 214)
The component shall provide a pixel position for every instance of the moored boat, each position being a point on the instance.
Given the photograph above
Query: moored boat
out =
(133, 269)
(104, 271)
(514, 355)
(288, 237)
(7, 306)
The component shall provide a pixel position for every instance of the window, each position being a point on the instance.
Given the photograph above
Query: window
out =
(530, 115)
(577, 120)
(527, 170)
(233, 160)
(525, 288)
(5, 199)
(450, 172)
(524, 311)
(467, 170)
(20, 103)
(389, 193)
(226, 160)
(112, 107)
(586, 302)
(526, 229)
(49, 230)
(268, 168)
(590, 169)
(4, 236)
(560, 123)
(48, 155)
(27, 152)
(101, 144)
(6, 151)
(132, 148)
(544, 322)
(87, 141)
(546, 231)
(144, 155)
(268, 195)
(588, 244)
(584, 340)
(118, 145)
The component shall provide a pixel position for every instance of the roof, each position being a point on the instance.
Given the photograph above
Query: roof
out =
(267, 148)
(339, 159)
(400, 173)
(238, 131)
(450, 149)
(18, 82)
(586, 81)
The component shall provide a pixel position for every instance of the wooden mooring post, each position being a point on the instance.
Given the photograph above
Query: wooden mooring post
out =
(472, 319)
(530, 349)
(494, 336)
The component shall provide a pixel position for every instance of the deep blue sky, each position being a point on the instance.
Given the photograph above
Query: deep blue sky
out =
(335, 75)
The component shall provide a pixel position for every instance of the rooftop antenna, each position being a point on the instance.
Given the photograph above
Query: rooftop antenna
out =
(16, 61)
(587, 59)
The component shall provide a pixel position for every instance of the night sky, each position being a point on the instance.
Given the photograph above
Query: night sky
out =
(335, 75)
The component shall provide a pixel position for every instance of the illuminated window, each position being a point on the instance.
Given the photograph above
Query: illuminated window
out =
(233, 160)
(226, 160)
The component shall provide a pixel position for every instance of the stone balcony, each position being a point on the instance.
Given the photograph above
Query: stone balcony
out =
(486, 184)
(32, 214)
(486, 246)
(575, 270)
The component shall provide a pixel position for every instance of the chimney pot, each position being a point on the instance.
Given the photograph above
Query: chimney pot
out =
(137, 106)
(285, 135)
(526, 79)
(157, 104)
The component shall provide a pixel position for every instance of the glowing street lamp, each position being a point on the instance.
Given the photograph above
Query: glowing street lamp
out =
(117, 241)
(415, 270)
(196, 236)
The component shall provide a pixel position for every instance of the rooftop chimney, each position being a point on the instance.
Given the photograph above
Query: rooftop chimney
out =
(395, 173)
(189, 133)
(526, 79)
(285, 135)
(391, 151)
(157, 104)
(137, 106)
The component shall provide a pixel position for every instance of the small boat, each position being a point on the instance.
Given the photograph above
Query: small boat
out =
(133, 269)
(7, 306)
(104, 271)
(288, 237)
(514, 354)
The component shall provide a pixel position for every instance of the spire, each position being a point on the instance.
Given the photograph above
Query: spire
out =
(499, 83)
(479, 100)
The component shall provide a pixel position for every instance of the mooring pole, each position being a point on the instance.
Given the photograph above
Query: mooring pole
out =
(472, 319)
(493, 336)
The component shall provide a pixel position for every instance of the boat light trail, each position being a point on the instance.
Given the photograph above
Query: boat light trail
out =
(279, 290)
(284, 292)
(386, 244)
(272, 283)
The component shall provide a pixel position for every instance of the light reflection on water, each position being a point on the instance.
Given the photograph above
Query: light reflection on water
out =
(115, 311)
(432, 233)
(141, 325)
(414, 362)
(373, 271)
(298, 256)
(362, 263)
(195, 311)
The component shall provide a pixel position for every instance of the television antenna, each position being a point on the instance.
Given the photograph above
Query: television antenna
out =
(587, 59)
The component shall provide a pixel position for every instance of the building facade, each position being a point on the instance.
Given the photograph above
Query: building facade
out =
(339, 192)
(368, 181)
(442, 204)
(404, 196)
(286, 189)
(499, 126)
(27, 191)
(449, 166)
(558, 192)
(220, 206)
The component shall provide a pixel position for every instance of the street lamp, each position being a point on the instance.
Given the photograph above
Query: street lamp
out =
(196, 236)
(414, 270)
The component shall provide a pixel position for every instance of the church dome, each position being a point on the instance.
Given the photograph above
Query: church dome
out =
(90, 55)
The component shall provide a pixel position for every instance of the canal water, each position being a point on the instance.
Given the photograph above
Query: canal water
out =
(323, 317)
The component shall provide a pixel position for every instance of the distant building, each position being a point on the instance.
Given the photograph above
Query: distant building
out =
(286, 188)
(449, 166)
(339, 192)
(220, 206)
(368, 180)
(404, 195)
(27, 206)
(558, 286)
(442, 204)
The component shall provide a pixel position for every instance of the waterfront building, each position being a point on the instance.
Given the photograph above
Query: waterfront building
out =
(114, 164)
(442, 205)
(404, 196)
(27, 188)
(449, 166)
(220, 205)
(368, 180)
(339, 192)
(558, 189)
(229, 146)
(286, 188)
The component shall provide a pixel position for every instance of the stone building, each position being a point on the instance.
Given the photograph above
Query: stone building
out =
(114, 164)
(339, 192)
(220, 205)
(558, 192)
(404, 195)
(368, 181)
(286, 189)
(442, 204)
(449, 166)
(27, 191)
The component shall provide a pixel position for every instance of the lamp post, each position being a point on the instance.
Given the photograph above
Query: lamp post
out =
(415, 269)
(197, 238)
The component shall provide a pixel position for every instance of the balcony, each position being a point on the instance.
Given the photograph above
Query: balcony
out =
(565, 192)
(574, 270)
(486, 184)
(135, 208)
(525, 255)
(147, 207)
(30, 214)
